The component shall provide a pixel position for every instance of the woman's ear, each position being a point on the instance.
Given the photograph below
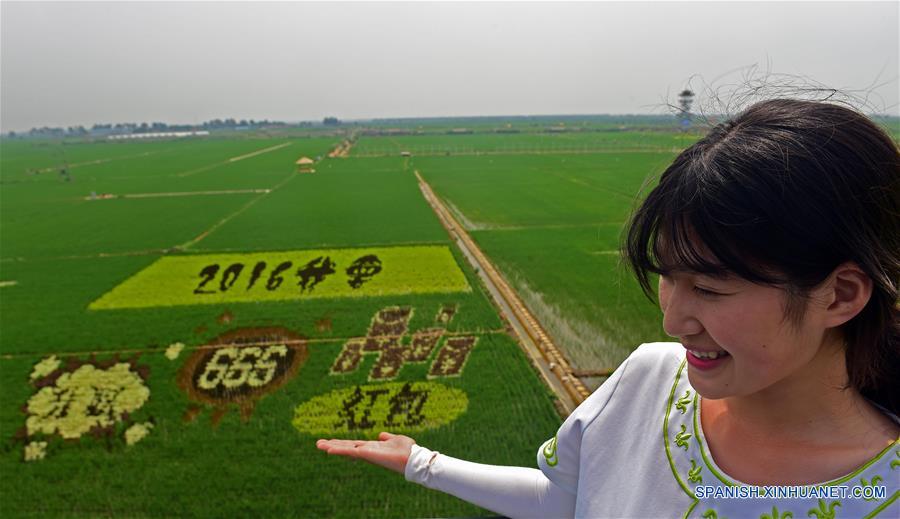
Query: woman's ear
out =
(846, 292)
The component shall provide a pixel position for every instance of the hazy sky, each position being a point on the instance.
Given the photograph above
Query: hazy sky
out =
(75, 63)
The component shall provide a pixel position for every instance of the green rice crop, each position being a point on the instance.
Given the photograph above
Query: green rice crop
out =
(61, 249)
(552, 224)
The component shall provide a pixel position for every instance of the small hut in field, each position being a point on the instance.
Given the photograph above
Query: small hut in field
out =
(305, 165)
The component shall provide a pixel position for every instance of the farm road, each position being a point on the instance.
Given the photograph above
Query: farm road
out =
(545, 356)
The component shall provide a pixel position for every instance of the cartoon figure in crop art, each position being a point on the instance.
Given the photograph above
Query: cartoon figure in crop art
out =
(776, 242)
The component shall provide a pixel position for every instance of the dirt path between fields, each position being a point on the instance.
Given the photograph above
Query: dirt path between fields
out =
(208, 167)
(96, 161)
(107, 196)
(260, 152)
(534, 340)
(470, 153)
(187, 349)
(223, 221)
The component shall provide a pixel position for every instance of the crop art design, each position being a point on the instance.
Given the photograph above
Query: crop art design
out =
(398, 406)
(368, 409)
(84, 398)
(387, 338)
(291, 275)
(240, 367)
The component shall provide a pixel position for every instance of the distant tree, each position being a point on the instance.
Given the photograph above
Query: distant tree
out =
(331, 121)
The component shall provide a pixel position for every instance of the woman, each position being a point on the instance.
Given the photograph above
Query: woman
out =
(776, 239)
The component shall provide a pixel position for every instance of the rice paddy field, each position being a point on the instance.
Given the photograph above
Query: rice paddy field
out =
(180, 320)
(552, 224)
(522, 143)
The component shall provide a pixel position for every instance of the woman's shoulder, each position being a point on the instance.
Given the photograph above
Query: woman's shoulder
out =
(643, 378)
(623, 409)
(656, 355)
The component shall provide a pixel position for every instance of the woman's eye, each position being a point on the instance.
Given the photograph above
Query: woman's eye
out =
(706, 293)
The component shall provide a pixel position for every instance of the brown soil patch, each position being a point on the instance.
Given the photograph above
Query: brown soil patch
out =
(190, 414)
(323, 325)
(225, 318)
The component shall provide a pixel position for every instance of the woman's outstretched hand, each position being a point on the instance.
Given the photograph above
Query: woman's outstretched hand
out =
(390, 450)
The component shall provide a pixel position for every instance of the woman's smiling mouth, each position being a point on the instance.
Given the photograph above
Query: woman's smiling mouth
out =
(706, 359)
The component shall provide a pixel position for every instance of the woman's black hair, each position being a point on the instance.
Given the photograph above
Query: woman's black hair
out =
(780, 195)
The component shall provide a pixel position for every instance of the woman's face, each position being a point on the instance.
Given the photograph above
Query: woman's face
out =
(741, 322)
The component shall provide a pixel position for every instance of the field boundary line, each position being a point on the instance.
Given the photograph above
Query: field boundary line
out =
(534, 340)
(12, 356)
(470, 153)
(502, 228)
(593, 187)
(98, 161)
(178, 193)
(153, 252)
(259, 152)
(188, 244)
(214, 165)
(145, 252)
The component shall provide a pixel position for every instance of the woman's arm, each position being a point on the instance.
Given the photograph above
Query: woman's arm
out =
(511, 491)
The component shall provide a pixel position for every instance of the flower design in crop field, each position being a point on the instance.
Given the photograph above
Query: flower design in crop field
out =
(240, 367)
(45, 367)
(174, 350)
(84, 397)
(137, 432)
(35, 451)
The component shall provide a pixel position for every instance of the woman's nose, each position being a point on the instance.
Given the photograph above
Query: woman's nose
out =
(679, 318)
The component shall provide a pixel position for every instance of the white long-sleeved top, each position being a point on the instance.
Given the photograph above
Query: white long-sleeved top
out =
(644, 454)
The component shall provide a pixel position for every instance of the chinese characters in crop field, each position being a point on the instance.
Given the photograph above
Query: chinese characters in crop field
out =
(286, 275)
(368, 409)
(385, 339)
(308, 275)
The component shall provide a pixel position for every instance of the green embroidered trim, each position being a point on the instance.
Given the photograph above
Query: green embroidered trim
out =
(776, 515)
(875, 480)
(723, 479)
(712, 514)
(856, 472)
(683, 402)
(682, 437)
(706, 460)
(665, 438)
(824, 511)
(550, 453)
(694, 474)
(690, 509)
(882, 506)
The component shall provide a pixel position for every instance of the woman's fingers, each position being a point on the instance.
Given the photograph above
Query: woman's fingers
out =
(333, 445)
(390, 450)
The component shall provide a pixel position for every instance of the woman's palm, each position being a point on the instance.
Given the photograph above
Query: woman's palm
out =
(390, 450)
